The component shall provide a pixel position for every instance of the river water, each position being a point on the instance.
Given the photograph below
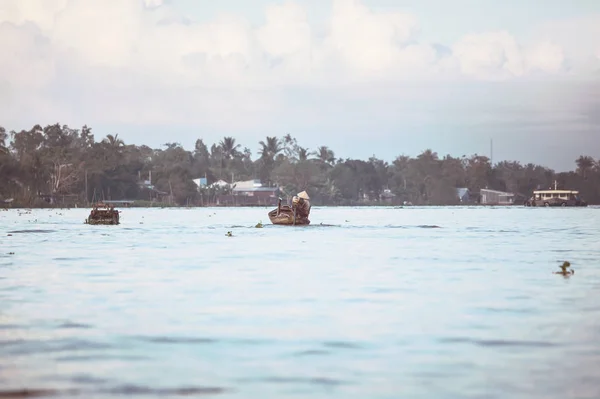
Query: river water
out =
(364, 303)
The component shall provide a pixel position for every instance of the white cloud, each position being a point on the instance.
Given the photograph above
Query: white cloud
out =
(498, 55)
(140, 55)
(366, 40)
(490, 55)
(101, 32)
(153, 3)
(286, 32)
(39, 12)
(579, 39)
(546, 57)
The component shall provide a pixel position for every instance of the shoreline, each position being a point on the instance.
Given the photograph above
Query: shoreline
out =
(271, 206)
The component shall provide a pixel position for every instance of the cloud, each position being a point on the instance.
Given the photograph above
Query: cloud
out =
(546, 57)
(579, 39)
(365, 40)
(141, 62)
(489, 55)
(38, 12)
(498, 56)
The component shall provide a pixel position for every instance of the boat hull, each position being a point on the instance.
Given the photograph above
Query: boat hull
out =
(555, 202)
(285, 216)
(102, 221)
(102, 214)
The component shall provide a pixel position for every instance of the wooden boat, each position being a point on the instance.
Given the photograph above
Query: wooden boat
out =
(284, 215)
(103, 214)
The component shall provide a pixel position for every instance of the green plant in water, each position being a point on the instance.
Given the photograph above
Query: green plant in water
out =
(229, 234)
(565, 269)
(259, 225)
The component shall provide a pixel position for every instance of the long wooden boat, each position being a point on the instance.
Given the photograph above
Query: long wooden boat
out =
(284, 215)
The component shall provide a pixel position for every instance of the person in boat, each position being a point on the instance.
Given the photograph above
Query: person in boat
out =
(301, 203)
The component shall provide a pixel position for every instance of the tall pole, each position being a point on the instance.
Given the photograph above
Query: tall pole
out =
(86, 190)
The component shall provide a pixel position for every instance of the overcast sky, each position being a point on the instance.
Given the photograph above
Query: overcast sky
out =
(383, 77)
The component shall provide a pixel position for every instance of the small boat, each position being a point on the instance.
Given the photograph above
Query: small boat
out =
(103, 214)
(555, 197)
(284, 215)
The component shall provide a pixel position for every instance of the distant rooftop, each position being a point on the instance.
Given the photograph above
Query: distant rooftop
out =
(255, 189)
(496, 191)
(247, 184)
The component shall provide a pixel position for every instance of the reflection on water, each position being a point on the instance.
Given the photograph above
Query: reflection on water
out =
(363, 303)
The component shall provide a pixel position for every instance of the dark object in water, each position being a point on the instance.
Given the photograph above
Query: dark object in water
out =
(564, 270)
(285, 215)
(103, 214)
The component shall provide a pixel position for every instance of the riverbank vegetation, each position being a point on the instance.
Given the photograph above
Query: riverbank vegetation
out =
(44, 163)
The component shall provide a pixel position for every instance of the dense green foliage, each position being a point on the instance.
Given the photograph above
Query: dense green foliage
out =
(61, 161)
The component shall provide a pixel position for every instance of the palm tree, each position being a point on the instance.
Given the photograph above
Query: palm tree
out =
(584, 165)
(3, 136)
(229, 147)
(271, 148)
(429, 155)
(113, 141)
(303, 154)
(325, 155)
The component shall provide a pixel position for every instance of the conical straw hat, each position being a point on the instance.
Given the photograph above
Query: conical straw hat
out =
(303, 195)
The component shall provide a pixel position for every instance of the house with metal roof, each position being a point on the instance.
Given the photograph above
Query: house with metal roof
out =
(247, 193)
(495, 197)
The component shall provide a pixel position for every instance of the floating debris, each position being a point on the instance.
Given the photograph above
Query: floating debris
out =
(229, 234)
(564, 270)
(259, 225)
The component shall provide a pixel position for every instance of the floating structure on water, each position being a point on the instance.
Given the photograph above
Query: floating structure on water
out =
(287, 216)
(555, 197)
(103, 214)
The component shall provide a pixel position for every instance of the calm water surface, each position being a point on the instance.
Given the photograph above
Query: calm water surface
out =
(375, 303)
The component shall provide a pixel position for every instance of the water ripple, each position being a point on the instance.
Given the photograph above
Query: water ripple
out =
(318, 381)
(178, 340)
(312, 352)
(31, 231)
(499, 343)
(128, 390)
(28, 347)
(342, 345)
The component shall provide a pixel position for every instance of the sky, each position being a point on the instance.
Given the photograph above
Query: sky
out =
(364, 77)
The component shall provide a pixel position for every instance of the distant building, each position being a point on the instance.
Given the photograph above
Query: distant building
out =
(150, 192)
(201, 182)
(494, 197)
(387, 196)
(247, 185)
(247, 193)
(463, 194)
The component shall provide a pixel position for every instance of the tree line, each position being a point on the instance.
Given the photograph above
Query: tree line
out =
(55, 161)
